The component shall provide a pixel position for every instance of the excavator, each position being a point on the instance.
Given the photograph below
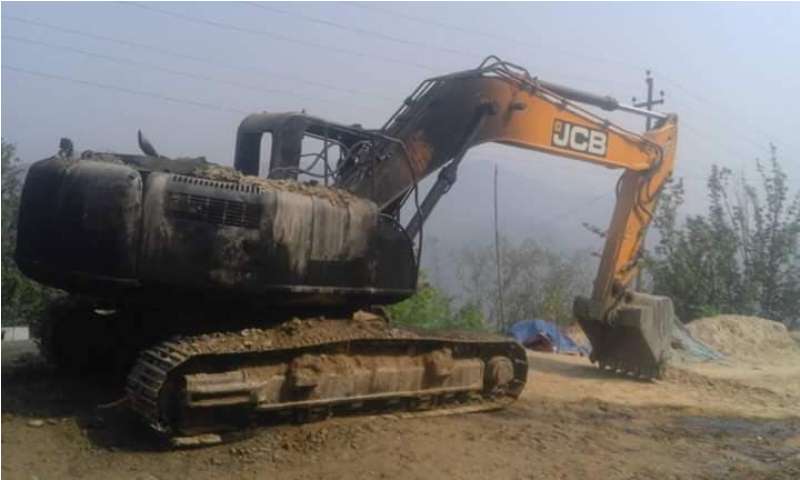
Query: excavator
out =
(229, 296)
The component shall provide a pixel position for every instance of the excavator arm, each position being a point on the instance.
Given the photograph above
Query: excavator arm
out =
(500, 102)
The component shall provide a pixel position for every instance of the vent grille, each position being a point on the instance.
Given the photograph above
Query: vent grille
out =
(185, 206)
(204, 182)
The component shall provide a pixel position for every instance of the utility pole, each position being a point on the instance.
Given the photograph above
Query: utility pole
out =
(501, 316)
(648, 104)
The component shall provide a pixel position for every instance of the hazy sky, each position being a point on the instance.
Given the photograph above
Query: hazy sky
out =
(730, 71)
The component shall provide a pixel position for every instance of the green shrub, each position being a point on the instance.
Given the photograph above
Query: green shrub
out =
(430, 308)
(22, 298)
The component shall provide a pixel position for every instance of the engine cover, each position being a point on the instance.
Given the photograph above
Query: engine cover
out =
(108, 228)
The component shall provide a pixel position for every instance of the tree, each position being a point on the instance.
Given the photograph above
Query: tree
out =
(537, 282)
(429, 308)
(23, 299)
(742, 256)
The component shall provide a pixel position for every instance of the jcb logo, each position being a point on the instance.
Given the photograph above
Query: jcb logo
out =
(579, 138)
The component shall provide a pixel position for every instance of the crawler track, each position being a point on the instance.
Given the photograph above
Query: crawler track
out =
(313, 368)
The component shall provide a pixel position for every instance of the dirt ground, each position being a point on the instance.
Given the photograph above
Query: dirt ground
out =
(730, 421)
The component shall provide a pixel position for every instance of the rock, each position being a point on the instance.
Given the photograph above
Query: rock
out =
(362, 316)
(204, 439)
(35, 423)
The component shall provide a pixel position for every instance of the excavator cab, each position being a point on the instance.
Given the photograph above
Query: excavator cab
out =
(293, 137)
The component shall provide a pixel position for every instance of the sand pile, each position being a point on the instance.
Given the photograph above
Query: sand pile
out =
(686, 348)
(744, 338)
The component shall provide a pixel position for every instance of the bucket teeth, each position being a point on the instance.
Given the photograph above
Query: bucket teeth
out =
(633, 339)
(631, 370)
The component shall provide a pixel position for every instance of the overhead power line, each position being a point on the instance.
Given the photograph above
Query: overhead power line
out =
(367, 32)
(428, 21)
(736, 136)
(194, 58)
(117, 88)
(279, 36)
(427, 46)
(361, 54)
(506, 39)
(698, 98)
(567, 213)
(127, 62)
(694, 96)
(627, 64)
(361, 31)
(711, 140)
(748, 134)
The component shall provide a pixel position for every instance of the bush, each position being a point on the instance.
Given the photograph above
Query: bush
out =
(23, 299)
(430, 308)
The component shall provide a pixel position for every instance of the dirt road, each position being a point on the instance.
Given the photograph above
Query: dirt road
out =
(573, 421)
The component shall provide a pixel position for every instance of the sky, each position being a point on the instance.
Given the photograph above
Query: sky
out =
(187, 73)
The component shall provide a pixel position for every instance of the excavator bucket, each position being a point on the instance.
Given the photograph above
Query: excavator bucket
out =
(636, 337)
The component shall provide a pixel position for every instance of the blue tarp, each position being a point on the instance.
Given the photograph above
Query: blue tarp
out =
(543, 335)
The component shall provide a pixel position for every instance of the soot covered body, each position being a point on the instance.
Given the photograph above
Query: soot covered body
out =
(123, 225)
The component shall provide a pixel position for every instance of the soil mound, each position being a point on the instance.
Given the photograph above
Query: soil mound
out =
(743, 337)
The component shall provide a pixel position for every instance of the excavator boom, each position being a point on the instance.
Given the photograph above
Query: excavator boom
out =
(502, 103)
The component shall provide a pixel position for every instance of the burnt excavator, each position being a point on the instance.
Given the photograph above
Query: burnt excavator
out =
(230, 294)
